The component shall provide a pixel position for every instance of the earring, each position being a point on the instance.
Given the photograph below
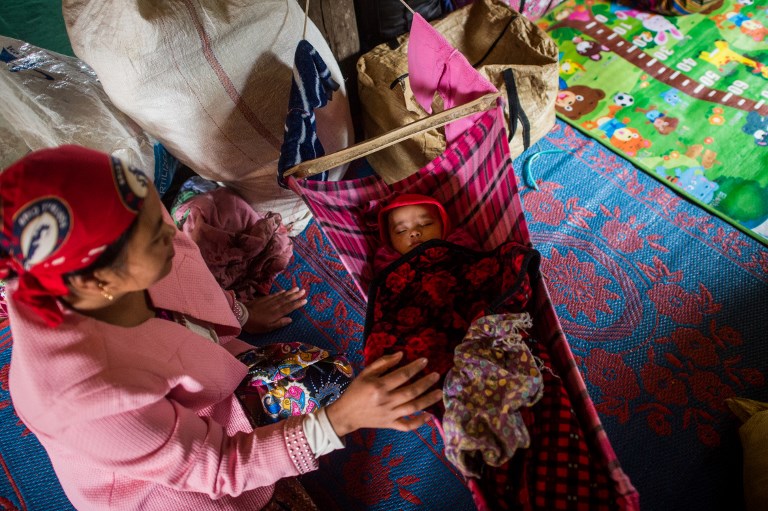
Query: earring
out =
(104, 293)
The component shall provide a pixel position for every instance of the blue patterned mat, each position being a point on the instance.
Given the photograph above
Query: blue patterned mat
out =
(664, 307)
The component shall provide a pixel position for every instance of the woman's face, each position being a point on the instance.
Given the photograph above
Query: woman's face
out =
(412, 225)
(148, 252)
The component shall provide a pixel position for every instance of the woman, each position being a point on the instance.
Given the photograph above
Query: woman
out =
(137, 411)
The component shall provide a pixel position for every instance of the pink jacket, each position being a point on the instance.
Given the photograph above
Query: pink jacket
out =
(144, 418)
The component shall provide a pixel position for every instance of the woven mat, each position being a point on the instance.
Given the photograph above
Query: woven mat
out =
(664, 309)
(663, 305)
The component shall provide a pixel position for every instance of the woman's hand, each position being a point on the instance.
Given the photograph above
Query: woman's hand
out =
(267, 313)
(377, 399)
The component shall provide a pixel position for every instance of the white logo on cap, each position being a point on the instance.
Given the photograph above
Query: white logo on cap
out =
(41, 228)
(137, 180)
(132, 184)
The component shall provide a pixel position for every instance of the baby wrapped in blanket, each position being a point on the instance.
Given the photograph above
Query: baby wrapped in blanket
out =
(437, 295)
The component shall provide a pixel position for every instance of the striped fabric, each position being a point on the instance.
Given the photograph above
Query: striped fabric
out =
(311, 88)
(475, 181)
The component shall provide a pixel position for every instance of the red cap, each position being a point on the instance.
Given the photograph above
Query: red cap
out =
(60, 208)
(410, 199)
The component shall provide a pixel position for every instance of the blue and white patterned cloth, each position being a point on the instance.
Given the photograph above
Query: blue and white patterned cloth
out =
(312, 87)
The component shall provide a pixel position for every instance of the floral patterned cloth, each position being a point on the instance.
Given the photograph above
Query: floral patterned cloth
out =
(559, 469)
(494, 375)
(423, 304)
(291, 379)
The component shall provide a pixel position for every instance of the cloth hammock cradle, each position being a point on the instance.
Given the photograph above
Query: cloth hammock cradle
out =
(474, 180)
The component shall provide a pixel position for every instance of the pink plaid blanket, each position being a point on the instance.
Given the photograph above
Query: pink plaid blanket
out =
(475, 182)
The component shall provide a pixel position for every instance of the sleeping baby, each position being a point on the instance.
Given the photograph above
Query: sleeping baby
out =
(437, 294)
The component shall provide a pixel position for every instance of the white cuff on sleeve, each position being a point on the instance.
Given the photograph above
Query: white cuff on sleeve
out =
(320, 435)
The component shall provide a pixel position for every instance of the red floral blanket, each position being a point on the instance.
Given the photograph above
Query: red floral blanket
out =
(423, 303)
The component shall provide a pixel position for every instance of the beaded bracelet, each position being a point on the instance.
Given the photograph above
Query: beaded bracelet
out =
(241, 312)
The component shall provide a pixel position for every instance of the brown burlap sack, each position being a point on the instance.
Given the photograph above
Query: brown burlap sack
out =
(518, 57)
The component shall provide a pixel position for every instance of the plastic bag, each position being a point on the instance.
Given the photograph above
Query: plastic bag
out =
(51, 99)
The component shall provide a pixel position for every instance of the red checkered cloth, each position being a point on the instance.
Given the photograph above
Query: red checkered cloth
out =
(558, 470)
(473, 179)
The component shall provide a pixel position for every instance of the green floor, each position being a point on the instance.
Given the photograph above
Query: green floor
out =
(38, 22)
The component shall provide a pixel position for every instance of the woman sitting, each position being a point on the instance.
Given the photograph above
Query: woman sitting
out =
(124, 359)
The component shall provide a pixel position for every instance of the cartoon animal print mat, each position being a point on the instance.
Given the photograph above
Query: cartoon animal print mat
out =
(685, 98)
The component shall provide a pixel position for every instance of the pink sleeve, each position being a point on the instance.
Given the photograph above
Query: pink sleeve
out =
(169, 444)
(230, 296)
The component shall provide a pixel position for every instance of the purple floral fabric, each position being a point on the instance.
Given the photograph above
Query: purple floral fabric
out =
(494, 375)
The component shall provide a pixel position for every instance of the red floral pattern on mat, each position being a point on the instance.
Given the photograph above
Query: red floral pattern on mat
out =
(615, 379)
(675, 375)
(683, 370)
(369, 477)
(626, 236)
(682, 306)
(576, 285)
(543, 207)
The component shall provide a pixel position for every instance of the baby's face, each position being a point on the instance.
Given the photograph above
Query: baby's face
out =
(412, 225)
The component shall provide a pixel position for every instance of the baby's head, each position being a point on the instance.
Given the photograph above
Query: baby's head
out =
(412, 219)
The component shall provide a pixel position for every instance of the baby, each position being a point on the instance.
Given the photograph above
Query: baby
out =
(465, 311)
(410, 220)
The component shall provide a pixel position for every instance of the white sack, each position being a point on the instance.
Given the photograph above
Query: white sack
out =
(210, 79)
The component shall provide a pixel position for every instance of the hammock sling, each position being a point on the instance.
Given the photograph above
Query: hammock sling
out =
(475, 182)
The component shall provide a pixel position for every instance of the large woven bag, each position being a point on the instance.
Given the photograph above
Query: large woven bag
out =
(211, 80)
(515, 55)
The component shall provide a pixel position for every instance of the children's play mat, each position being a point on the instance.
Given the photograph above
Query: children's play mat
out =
(684, 98)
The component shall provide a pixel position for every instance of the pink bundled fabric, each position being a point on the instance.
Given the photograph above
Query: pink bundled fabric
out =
(243, 248)
(443, 69)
